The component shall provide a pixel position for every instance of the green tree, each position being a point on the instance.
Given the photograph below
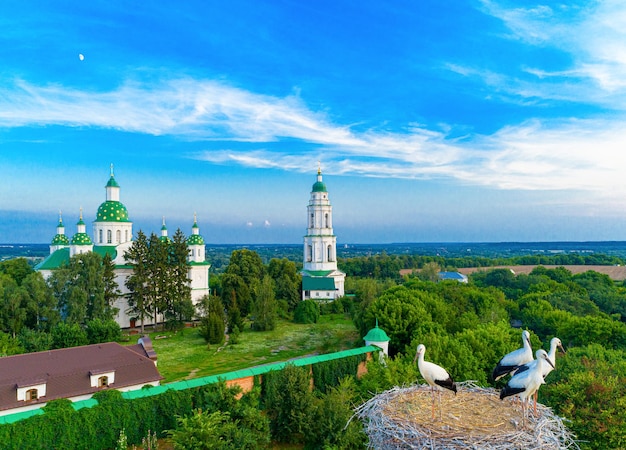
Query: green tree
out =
(332, 418)
(264, 308)
(287, 282)
(66, 335)
(99, 331)
(289, 403)
(244, 272)
(41, 304)
(213, 321)
(16, 268)
(139, 300)
(179, 288)
(307, 311)
(79, 289)
(9, 345)
(111, 288)
(13, 303)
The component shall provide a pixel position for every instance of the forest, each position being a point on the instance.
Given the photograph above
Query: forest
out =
(466, 328)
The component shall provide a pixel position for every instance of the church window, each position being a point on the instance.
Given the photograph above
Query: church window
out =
(126, 236)
(118, 236)
(309, 253)
(326, 221)
(193, 252)
(109, 237)
(100, 236)
(103, 381)
(312, 222)
(329, 253)
(31, 394)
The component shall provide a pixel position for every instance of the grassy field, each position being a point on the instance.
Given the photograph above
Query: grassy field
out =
(184, 354)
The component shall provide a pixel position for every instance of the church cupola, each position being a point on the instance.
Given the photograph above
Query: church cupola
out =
(195, 242)
(81, 242)
(164, 237)
(112, 226)
(60, 240)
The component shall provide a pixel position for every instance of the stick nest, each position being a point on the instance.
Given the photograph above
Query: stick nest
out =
(476, 418)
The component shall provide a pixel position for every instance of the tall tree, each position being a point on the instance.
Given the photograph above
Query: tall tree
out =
(264, 308)
(111, 288)
(180, 290)
(137, 282)
(12, 306)
(287, 281)
(42, 311)
(244, 272)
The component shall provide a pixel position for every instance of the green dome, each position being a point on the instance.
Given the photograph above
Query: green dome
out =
(165, 239)
(81, 239)
(376, 335)
(60, 239)
(112, 211)
(195, 239)
(319, 187)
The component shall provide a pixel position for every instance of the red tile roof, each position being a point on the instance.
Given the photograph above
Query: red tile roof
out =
(66, 372)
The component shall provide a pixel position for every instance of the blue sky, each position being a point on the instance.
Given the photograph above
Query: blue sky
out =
(432, 121)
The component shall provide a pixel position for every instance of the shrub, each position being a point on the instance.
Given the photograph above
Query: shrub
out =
(307, 311)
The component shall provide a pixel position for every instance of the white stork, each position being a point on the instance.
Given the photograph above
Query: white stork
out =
(555, 343)
(526, 383)
(511, 361)
(434, 375)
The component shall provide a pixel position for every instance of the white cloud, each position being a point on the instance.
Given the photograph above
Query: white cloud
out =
(549, 155)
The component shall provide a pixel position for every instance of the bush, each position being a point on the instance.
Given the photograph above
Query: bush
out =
(99, 331)
(66, 335)
(307, 311)
(212, 328)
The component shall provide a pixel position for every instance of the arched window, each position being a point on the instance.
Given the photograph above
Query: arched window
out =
(109, 237)
(31, 394)
(126, 236)
(118, 236)
(312, 222)
(103, 381)
(100, 236)
(326, 221)
(309, 253)
(329, 253)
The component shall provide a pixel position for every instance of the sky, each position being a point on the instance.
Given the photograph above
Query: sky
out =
(432, 121)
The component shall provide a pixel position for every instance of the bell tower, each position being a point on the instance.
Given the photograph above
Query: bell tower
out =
(321, 279)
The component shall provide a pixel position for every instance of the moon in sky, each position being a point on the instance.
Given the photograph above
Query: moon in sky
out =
(81, 56)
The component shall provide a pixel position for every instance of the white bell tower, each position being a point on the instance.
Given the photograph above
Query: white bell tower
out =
(321, 279)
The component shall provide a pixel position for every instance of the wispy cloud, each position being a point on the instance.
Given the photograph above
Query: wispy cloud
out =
(590, 33)
(557, 154)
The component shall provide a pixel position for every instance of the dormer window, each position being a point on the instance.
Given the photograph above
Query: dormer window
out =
(31, 391)
(101, 378)
(31, 394)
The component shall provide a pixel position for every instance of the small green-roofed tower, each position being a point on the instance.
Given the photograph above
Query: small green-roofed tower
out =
(377, 336)
(60, 240)
(81, 242)
(195, 242)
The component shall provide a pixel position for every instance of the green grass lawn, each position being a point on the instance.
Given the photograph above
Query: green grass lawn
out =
(184, 354)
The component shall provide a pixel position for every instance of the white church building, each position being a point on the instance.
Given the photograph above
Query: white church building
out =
(113, 234)
(321, 280)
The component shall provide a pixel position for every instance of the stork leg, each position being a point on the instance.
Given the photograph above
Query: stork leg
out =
(432, 392)
(536, 395)
(440, 413)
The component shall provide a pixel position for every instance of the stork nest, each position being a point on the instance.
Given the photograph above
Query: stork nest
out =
(476, 418)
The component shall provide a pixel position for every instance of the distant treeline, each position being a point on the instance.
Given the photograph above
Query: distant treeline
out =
(389, 266)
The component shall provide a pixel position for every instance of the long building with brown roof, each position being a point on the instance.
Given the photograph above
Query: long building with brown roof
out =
(29, 381)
